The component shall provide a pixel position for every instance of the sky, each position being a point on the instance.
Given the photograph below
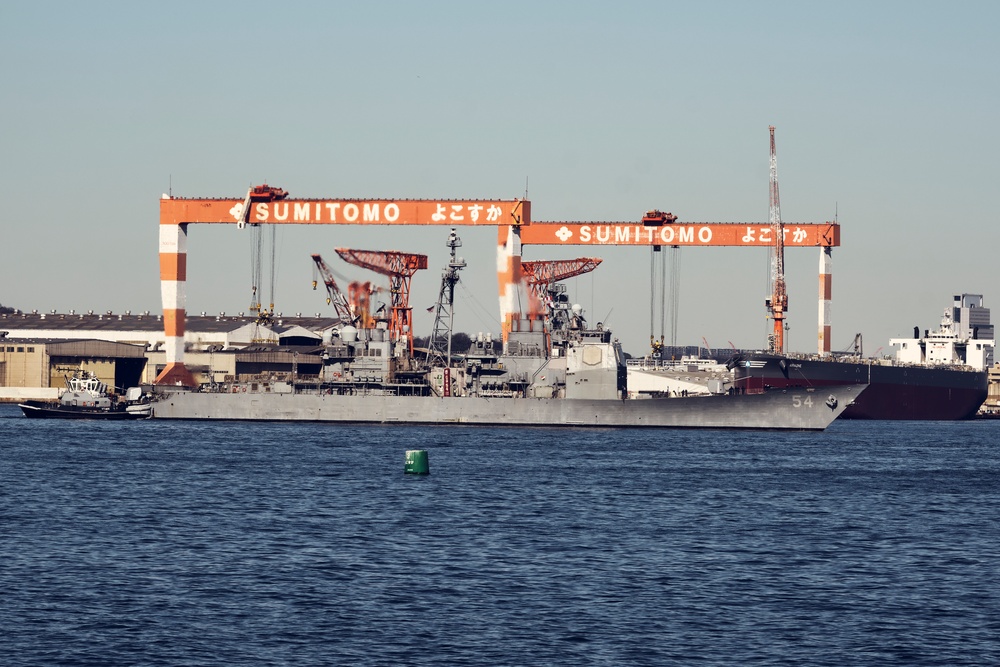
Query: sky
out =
(886, 116)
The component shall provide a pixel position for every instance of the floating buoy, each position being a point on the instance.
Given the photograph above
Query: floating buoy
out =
(416, 462)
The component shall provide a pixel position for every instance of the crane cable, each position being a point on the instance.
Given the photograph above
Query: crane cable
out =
(657, 295)
(663, 295)
(478, 309)
(255, 266)
(257, 270)
(274, 268)
(652, 294)
(675, 292)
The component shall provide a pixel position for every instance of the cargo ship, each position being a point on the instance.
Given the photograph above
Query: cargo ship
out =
(553, 371)
(942, 375)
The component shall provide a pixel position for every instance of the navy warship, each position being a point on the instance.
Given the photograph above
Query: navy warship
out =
(553, 370)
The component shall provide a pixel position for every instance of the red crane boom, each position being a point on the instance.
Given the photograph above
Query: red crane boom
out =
(540, 274)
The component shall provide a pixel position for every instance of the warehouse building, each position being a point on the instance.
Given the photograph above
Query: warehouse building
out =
(38, 367)
(39, 349)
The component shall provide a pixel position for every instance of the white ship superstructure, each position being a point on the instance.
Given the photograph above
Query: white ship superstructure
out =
(965, 337)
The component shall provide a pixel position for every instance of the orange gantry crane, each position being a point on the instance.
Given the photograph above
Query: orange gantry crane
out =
(399, 267)
(266, 205)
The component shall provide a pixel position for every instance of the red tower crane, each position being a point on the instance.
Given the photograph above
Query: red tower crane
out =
(542, 273)
(777, 305)
(334, 296)
(399, 267)
(539, 275)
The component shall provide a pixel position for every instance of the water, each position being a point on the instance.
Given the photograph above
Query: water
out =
(183, 543)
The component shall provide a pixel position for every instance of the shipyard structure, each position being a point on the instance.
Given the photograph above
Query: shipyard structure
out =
(38, 351)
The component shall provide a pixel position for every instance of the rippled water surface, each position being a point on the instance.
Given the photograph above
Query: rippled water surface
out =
(185, 543)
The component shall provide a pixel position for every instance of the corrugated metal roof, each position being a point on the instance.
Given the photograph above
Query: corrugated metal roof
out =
(144, 322)
(60, 347)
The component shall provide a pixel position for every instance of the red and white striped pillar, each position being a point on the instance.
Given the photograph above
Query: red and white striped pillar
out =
(508, 276)
(173, 292)
(825, 296)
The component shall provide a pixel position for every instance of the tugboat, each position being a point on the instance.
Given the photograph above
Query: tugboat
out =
(86, 397)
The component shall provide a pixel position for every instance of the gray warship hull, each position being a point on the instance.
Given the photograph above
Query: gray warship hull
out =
(779, 409)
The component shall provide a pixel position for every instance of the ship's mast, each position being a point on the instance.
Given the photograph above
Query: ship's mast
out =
(444, 319)
(778, 303)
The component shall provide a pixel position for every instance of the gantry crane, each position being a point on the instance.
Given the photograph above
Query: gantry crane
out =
(511, 217)
(777, 305)
(399, 267)
(334, 296)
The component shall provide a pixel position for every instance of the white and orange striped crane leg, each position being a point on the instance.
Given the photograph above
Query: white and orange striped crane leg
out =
(825, 296)
(508, 276)
(173, 292)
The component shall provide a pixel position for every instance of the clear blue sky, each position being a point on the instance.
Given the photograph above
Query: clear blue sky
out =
(886, 113)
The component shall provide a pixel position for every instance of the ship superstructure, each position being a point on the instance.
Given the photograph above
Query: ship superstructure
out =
(965, 337)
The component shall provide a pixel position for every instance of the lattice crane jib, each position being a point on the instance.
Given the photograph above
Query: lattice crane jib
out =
(778, 303)
(399, 267)
(335, 297)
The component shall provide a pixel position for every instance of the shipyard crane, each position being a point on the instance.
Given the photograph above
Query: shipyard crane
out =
(511, 217)
(777, 305)
(540, 274)
(334, 296)
(265, 315)
(541, 277)
(439, 349)
(656, 218)
(399, 267)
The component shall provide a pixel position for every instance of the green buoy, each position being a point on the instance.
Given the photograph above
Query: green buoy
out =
(416, 462)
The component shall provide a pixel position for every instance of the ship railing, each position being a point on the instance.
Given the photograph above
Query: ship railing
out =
(497, 393)
(645, 363)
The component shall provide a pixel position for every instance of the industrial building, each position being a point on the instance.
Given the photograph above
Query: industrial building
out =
(39, 350)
